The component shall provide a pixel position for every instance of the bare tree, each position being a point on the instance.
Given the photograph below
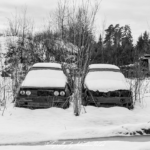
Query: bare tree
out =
(137, 76)
(76, 24)
(19, 29)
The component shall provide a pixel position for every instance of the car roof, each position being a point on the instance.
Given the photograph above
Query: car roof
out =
(103, 66)
(47, 65)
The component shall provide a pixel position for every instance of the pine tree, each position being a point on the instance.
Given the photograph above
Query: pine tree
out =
(143, 44)
(118, 45)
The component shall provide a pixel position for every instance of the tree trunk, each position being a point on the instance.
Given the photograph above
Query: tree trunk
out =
(77, 97)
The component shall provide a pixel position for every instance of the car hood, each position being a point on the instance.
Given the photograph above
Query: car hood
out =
(45, 78)
(106, 85)
(44, 82)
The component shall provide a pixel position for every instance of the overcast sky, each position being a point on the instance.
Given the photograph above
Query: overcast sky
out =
(135, 13)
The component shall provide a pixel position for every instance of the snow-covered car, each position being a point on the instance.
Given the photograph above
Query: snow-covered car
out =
(45, 85)
(105, 85)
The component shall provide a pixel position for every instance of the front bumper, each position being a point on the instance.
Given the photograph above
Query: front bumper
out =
(42, 102)
(109, 101)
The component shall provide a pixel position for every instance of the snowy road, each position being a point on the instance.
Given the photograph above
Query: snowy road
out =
(140, 138)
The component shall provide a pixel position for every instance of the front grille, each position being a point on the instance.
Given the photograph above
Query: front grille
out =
(40, 92)
(114, 94)
(125, 93)
(45, 93)
(118, 93)
(99, 94)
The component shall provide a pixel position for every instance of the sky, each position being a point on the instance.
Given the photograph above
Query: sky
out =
(135, 13)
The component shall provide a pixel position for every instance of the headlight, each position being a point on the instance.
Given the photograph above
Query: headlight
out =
(56, 93)
(62, 93)
(28, 93)
(22, 92)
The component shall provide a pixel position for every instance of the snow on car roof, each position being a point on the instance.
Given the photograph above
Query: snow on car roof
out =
(109, 66)
(105, 81)
(53, 65)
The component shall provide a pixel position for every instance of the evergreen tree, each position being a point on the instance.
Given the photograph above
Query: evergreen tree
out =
(118, 45)
(97, 53)
(127, 54)
(143, 44)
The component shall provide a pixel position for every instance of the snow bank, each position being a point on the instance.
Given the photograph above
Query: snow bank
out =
(45, 78)
(25, 125)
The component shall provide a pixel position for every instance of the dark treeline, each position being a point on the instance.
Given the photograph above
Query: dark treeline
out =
(117, 46)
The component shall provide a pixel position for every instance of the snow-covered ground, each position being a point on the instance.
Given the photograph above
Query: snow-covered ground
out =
(26, 125)
(87, 146)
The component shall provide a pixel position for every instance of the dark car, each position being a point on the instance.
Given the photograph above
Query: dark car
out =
(45, 85)
(105, 85)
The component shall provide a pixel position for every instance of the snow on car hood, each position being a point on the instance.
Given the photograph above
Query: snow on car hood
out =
(105, 81)
(45, 78)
